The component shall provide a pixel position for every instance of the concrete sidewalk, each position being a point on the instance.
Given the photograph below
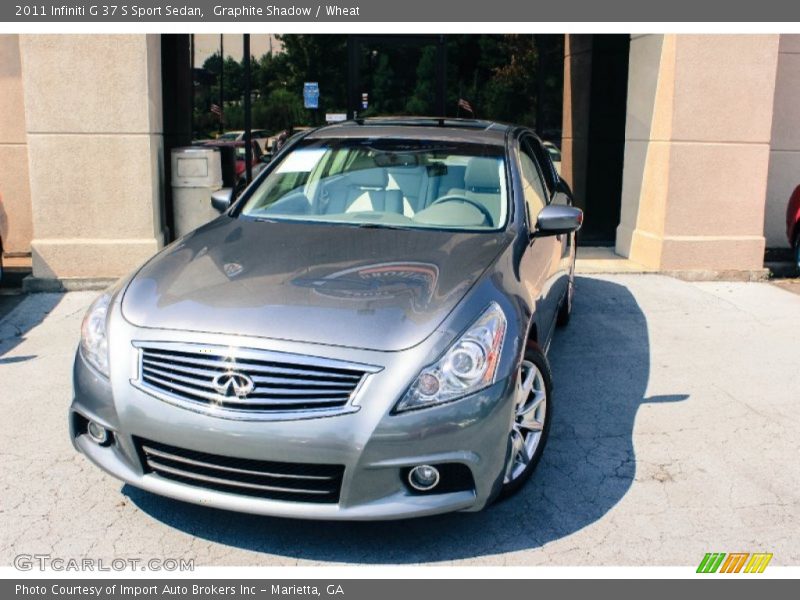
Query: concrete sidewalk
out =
(602, 260)
(676, 432)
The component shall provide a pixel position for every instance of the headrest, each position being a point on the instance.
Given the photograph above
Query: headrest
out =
(482, 174)
(374, 177)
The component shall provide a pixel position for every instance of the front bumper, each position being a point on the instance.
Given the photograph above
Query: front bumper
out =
(373, 445)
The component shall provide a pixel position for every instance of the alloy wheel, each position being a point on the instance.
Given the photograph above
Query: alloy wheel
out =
(530, 413)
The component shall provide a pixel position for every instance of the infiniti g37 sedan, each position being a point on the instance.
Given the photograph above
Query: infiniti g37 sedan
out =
(363, 334)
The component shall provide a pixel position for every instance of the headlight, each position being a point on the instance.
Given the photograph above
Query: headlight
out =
(94, 341)
(467, 367)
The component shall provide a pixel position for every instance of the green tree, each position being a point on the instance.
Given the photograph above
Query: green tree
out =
(422, 99)
(500, 75)
(320, 58)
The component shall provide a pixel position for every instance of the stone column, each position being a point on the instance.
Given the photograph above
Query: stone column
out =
(15, 197)
(575, 116)
(697, 153)
(784, 161)
(94, 124)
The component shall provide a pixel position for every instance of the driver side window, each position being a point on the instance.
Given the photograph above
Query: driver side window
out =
(532, 186)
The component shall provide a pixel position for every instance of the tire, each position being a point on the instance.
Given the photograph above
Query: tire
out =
(797, 254)
(518, 471)
(565, 310)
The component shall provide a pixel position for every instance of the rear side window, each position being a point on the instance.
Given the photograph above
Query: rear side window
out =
(532, 185)
(543, 158)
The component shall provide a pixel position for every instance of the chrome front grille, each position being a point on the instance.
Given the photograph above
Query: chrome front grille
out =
(241, 381)
(297, 482)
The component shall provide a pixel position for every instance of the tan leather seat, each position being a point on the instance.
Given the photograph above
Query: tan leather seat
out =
(363, 190)
(482, 185)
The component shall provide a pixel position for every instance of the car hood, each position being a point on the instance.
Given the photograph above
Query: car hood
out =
(370, 288)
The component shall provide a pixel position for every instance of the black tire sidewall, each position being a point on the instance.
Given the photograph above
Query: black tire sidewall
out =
(536, 356)
(797, 253)
(565, 310)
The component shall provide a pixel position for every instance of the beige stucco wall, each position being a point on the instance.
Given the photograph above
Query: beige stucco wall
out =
(697, 151)
(94, 128)
(784, 161)
(15, 203)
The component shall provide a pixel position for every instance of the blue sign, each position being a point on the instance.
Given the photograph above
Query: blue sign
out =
(311, 94)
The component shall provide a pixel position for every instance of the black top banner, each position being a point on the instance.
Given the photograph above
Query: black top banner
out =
(439, 11)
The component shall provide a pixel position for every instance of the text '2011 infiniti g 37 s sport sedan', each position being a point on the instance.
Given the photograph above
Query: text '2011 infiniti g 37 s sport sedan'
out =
(361, 335)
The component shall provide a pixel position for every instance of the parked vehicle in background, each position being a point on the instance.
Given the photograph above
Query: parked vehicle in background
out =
(793, 225)
(363, 335)
(257, 162)
(259, 135)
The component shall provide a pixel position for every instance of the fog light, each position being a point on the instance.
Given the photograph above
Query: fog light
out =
(97, 432)
(423, 478)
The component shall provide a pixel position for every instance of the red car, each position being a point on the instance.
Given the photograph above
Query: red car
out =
(793, 224)
(258, 159)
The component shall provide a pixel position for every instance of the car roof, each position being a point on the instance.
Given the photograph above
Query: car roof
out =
(472, 131)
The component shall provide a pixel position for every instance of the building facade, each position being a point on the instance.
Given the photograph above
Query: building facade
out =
(683, 148)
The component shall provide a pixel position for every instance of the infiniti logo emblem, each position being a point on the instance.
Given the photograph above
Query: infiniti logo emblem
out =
(233, 383)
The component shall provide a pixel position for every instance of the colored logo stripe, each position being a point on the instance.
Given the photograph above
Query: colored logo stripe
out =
(711, 562)
(734, 562)
(758, 562)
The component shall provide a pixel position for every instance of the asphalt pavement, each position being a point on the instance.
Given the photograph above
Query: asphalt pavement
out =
(676, 432)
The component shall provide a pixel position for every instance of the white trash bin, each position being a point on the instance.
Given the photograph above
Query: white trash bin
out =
(196, 173)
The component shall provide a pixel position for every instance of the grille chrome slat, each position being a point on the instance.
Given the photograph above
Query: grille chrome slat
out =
(266, 391)
(281, 381)
(259, 383)
(310, 381)
(164, 383)
(156, 466)
(295, 482)
(223, 363)
(204, 383)
(252, 399)
(190, 461)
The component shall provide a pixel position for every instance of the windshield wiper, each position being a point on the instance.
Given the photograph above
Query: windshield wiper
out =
(377, 226)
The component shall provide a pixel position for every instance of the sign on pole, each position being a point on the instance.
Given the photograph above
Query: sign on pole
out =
(311, 94)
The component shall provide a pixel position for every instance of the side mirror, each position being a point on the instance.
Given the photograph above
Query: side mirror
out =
(221, 199)
(556, 219)
(265, 158)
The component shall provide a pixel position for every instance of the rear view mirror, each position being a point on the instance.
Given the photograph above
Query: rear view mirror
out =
(221, 199)
(556, 219)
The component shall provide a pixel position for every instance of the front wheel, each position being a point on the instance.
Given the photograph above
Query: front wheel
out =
(533, 410)
(565, 310)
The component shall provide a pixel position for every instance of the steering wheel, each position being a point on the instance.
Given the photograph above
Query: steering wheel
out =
(458, 198)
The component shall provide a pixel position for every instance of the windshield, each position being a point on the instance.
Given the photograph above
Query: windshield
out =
(389, 183)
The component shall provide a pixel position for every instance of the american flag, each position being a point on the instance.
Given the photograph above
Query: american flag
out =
(465, 105)
(215, 108)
